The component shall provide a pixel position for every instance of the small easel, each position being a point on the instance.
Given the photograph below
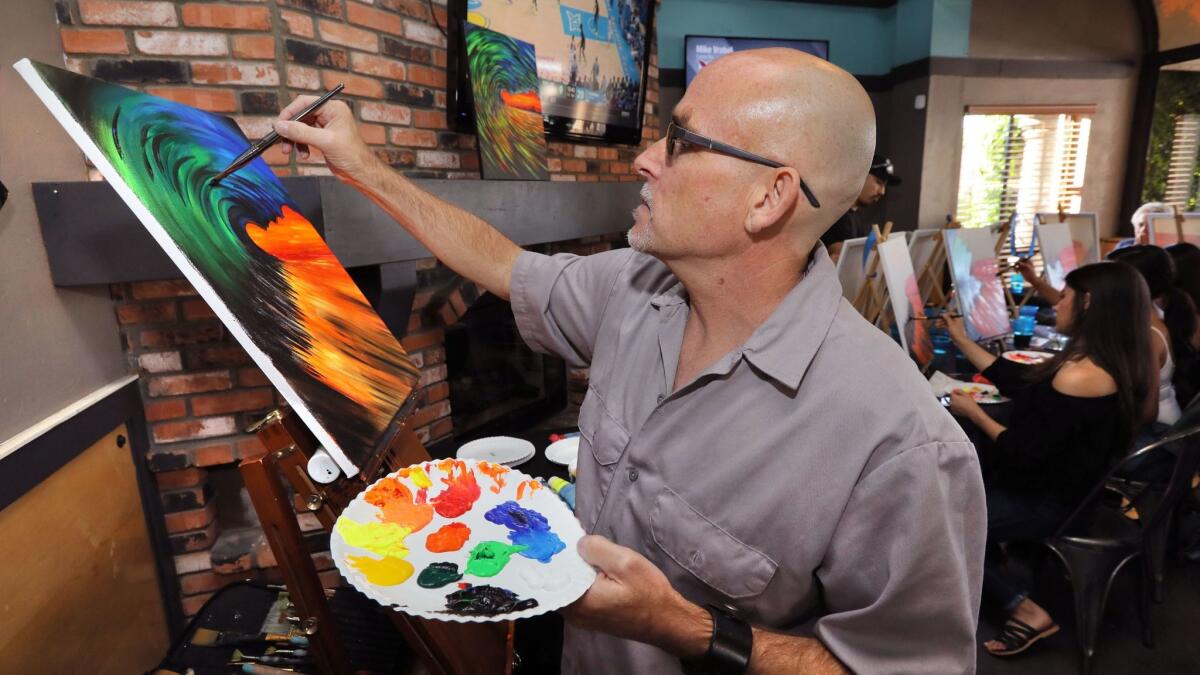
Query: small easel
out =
(445, 648)
(871, 296)
(932, 274)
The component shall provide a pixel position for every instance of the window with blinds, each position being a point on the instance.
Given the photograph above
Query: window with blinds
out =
(1021, 161)
(1181, 164)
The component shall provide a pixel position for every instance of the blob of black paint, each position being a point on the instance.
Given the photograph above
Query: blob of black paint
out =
(439, 574)
(486, 601)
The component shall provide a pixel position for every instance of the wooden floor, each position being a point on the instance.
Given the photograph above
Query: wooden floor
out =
(1120, 650)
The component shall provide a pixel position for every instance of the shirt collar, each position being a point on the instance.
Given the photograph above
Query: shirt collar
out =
(783, 347)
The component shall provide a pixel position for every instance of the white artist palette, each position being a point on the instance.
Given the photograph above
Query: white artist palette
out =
(498, 450)
(379, 537)
(564, 451)
(1026, 357)
(983, 393)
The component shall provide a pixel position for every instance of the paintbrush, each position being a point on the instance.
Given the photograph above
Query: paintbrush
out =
(272, 138)
(207, 637)
(259, 669)
(268, 659)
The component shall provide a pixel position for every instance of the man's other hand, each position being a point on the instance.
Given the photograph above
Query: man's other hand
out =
(632, 599)
(333, 131)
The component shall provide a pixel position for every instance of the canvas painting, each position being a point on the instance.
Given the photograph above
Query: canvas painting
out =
(1058, 251)
(908, 306)
(851, 271)
(1085, 232)
(259, 264)
(1164, 231)
(508, 109)
(977, 285)
(922, 244)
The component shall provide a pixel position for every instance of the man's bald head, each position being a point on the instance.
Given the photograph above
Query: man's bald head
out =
(795, 108)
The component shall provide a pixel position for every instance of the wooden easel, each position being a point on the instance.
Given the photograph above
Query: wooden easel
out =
(933, 271)
(871, 296)
(1178, 222)
(445, 648)
(1014, 308)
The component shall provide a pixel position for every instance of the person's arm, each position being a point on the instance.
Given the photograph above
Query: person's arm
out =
(1049, 293)
(465, 243)
(632, 599)
(978, 356)
(963, 405)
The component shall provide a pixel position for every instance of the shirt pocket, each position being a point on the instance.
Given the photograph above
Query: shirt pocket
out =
(600, 431)
(714, 556)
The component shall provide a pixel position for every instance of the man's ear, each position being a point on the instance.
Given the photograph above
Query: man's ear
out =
(773, 201)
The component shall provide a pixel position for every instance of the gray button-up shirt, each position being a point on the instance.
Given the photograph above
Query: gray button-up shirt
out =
(808, 480)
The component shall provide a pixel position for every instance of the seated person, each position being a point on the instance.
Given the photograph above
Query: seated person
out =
(1141, 228)
(1187, 279)
(1071, 417)
(1173, 323)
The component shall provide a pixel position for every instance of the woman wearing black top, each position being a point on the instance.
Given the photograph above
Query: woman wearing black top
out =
(1071, 416)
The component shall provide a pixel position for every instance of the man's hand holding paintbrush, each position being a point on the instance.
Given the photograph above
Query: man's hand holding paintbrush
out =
(332, 129)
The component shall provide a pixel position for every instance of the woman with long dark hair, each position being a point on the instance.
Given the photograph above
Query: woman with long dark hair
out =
(1187, 279)
(1071, 417)
(1173, 324)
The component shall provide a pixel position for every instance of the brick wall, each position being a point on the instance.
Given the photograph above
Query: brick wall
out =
(246, 59)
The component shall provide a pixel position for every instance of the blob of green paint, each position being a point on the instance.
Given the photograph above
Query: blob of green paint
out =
(439, 574)
(489, 557)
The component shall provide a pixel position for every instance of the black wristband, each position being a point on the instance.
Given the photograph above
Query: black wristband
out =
(728, 650)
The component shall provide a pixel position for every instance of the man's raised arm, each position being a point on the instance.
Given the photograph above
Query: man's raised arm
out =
(464, 242)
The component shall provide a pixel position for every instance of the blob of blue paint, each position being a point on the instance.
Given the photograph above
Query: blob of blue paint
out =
(527, 528)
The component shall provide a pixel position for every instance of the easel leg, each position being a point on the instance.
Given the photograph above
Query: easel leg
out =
(304, 586)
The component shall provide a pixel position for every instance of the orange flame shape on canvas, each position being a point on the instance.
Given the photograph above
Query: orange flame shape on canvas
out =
(522, 100)
(347, 341)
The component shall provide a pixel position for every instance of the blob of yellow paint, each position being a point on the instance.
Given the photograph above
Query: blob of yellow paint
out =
(417, 475)
(385, 539)
(385, 572)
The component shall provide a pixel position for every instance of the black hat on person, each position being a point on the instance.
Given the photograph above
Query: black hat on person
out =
(882, 168)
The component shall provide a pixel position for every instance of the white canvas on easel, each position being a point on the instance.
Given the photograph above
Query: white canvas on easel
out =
(851, 271)
(1164, 230)
(978, 289)
(908, 305)
(923, 245)
(1085, 232)
(1058, 251)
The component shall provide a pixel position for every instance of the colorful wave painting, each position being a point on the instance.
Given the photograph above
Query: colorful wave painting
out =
(977, 283)
(268, 266)
(508, 109)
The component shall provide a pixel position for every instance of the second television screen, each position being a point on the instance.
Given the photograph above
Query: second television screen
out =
(701, 50)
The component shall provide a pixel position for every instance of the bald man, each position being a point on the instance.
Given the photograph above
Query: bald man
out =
(769, 485)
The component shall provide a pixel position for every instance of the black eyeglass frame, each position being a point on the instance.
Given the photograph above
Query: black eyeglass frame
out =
(677, 134)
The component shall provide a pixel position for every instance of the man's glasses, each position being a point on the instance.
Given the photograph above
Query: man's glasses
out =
(677, 135)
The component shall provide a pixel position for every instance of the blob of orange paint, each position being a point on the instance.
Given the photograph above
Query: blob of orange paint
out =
(449, 537)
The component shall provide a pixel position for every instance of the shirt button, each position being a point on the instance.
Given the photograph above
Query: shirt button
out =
(633, 475)
(661, 398)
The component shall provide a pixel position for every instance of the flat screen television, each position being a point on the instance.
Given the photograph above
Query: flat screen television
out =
(701, 50)
(592, 58)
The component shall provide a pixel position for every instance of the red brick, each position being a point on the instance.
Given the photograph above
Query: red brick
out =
(176, 480)
(181, 335)
(373, 134)
(574, 165)
(165, 410)
(469, 160)
(437, 392)
(191, 520)
(240, 401)
(553, 164)
(146, 312)
(375, 19)
(214, 455)
(194, 310)
(430, 77)
(240, 564)
(428, 414)
(418, 341)
(94, 41)
(152, 290)
(301, 77)
(414, 8)
(203, 582)
(386, 113)
(417, 138)
(441, 428)
(418, 31)
(589, 178)
(254, 46)
(252, 377)
(127, 13)
(607, 153)
(236, 17)
(195, 540)
(260, 74)
(429, 119)
(297, 23)
(195, 429)
(180, 43)
(620, 167)
(356, 85)
(348, 36)
(194, 603)
(192, 383)
(213, 100)
(439, 58)
(379, 66)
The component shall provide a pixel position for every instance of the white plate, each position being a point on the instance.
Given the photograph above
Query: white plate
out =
(564, 451)
(553, 584)
(1026, 357)
(983, 393)
(498, 449)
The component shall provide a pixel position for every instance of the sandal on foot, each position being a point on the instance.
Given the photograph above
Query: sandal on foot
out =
(1017, 636)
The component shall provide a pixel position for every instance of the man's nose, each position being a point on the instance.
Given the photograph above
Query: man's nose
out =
(650, 162)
